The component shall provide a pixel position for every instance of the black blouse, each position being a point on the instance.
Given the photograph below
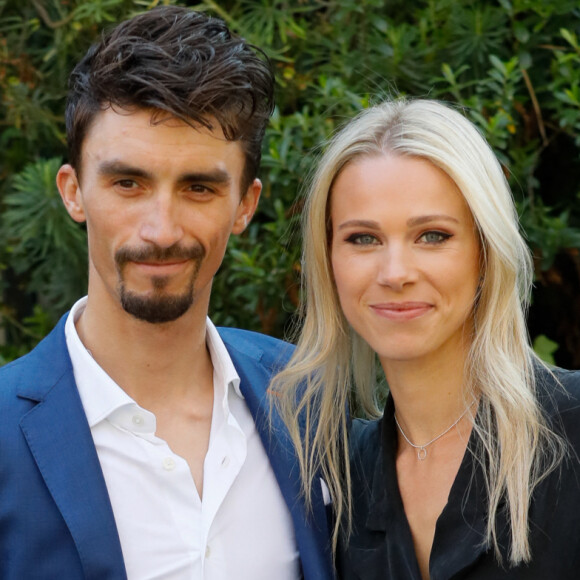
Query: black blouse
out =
(381, 545)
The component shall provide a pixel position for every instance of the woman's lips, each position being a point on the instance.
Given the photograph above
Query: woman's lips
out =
(401, 310)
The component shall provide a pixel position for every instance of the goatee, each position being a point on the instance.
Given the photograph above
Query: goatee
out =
(158, 307)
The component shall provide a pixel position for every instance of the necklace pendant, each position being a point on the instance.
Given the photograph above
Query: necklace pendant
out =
(422, 454)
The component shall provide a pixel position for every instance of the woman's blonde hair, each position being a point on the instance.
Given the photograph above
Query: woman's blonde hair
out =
(517, 447)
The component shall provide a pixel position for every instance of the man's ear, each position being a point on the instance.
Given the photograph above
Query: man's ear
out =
(247, 207)
(70, 192)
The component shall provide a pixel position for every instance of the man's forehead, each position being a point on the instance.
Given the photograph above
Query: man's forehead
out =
(157, 118)
(149, 133)
(156, 146)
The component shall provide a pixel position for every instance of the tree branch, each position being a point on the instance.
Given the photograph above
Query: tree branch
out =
(46, 18)
(536, 106)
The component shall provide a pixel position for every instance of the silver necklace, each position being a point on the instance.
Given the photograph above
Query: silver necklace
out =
(422, 449)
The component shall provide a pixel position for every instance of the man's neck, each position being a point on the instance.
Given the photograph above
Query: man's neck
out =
(148, 361)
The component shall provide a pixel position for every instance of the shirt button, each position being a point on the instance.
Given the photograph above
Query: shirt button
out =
(207, 552)
(137, 420)
(225, 461)
(169, 463)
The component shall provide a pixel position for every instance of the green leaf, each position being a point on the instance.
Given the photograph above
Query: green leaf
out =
(498, 64)
(525, 59)
(521, 33)
(570, 37)
(545, 348)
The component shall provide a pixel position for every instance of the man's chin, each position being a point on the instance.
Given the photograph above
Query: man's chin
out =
(156, 309)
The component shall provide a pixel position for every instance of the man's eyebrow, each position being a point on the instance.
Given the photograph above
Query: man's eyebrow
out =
(113, 168)
(110, 168)
(217, 176)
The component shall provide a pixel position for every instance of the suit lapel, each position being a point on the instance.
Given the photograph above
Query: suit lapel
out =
(311, 528)
(60, 441)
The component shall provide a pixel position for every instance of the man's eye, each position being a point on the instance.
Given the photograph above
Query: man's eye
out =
(362, 239)
(126, 183)
(199, 188)
(434, 237)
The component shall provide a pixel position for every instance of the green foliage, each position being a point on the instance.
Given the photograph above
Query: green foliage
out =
(513, 66)
(545, 348)
(40, 239)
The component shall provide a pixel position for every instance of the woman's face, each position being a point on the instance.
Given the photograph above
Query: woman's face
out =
(405, 257)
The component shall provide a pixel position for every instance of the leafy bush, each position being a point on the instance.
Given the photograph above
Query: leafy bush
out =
(513, 66)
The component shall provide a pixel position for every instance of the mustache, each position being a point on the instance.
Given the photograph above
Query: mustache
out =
(155, 253)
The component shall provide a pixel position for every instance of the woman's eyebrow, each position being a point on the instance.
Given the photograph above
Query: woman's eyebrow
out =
(411, 222)
(424, 219)
(360, 224)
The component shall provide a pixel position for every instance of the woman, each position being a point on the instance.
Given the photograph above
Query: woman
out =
(413, 257)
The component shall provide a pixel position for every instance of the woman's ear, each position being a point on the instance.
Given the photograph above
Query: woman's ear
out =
(70, 192)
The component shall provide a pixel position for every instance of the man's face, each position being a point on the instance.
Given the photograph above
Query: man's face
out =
(160, 202)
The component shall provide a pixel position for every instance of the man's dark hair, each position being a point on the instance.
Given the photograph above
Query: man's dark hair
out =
(177, 61)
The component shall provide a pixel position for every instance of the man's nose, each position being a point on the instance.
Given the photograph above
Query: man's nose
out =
(162, 223)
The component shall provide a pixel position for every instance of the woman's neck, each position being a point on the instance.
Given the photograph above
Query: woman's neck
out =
(429, 396)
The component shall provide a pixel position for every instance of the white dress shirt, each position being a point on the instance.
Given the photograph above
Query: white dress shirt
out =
(241, 529)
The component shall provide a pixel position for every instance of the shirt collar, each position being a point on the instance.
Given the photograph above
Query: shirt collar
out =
(460, 532)
(220, 357)
(102, 397)
(100, 394)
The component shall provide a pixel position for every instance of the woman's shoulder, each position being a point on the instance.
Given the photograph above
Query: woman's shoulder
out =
(559, 395)
(558, 390)
(568, 378)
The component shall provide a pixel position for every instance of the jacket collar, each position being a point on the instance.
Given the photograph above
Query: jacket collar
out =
(60, 441)
(311, 527)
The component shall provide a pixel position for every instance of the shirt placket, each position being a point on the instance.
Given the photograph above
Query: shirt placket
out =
(223, 463)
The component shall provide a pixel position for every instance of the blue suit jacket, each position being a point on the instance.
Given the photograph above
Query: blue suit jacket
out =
(56, 520)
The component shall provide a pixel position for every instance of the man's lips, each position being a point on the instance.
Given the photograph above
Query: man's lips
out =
(163, 267)
(401, 310)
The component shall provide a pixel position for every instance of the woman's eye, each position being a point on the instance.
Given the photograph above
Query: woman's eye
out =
(434, 237)
(362, 239)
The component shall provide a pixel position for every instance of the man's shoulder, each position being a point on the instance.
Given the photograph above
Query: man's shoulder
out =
(364, 440)
(364, 437)
(23, 383)
(12, 375)
(256, 345)
(47, 359)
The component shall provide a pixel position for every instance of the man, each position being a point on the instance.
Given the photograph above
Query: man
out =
(135, 439)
